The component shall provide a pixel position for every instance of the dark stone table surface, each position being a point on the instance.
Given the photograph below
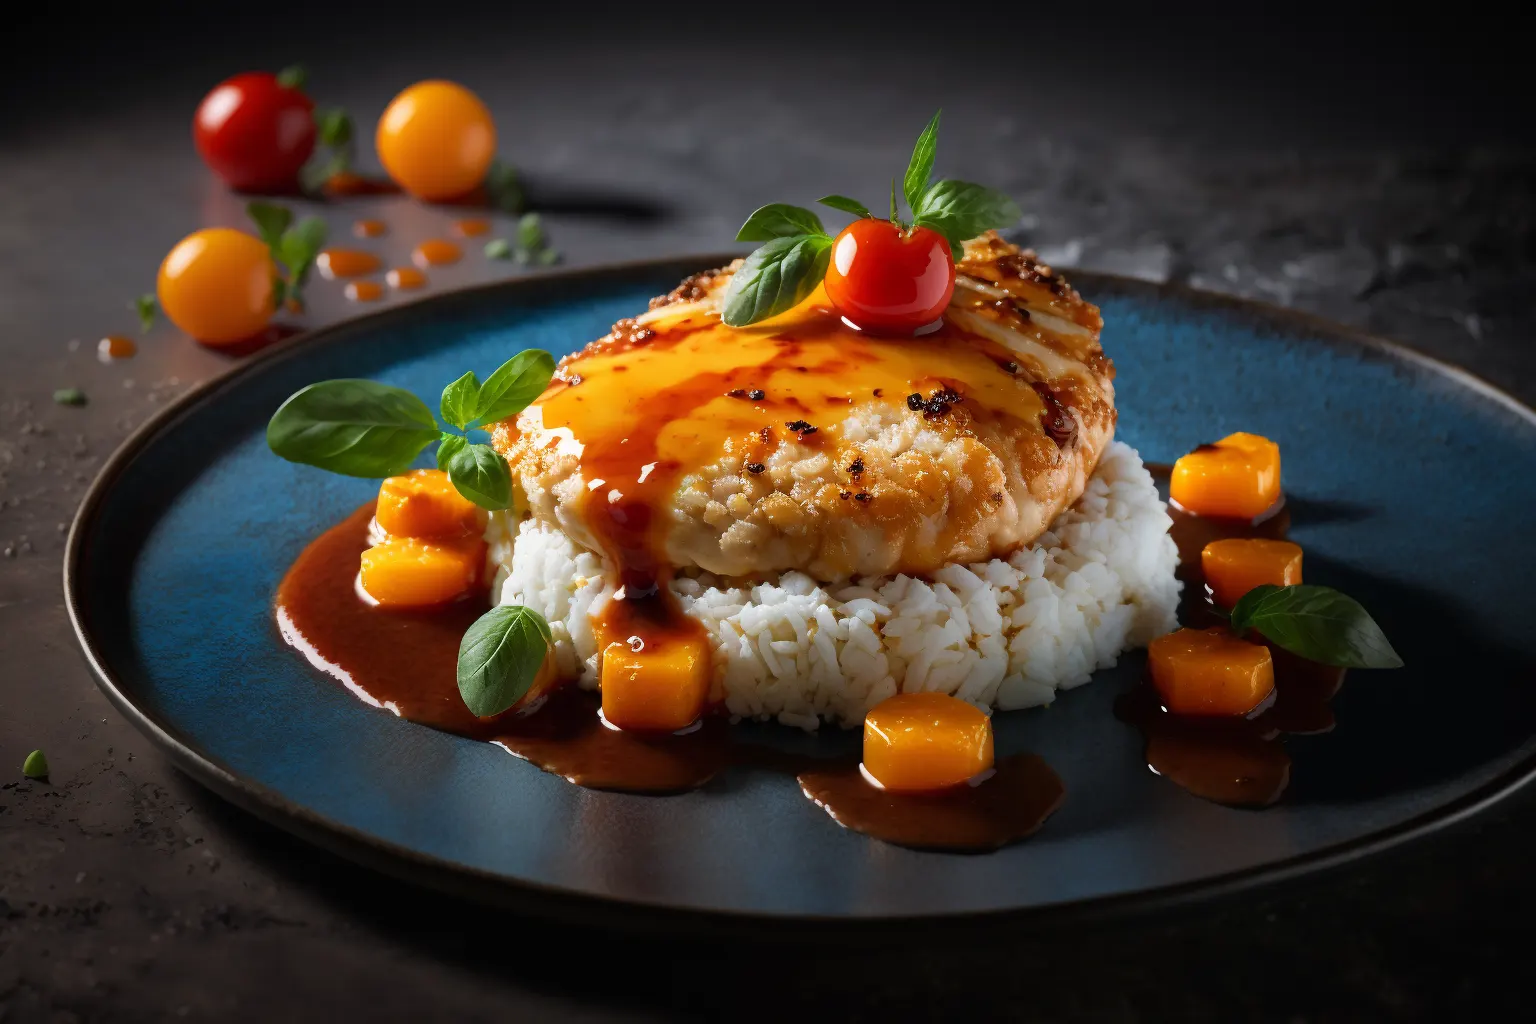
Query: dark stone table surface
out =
(1375, 174)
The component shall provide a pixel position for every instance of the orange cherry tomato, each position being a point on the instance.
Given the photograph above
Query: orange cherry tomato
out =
(887, 280)
(436, 140)
(216, 285)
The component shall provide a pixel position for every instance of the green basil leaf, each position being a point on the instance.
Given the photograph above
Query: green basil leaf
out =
(352, 427)
(460, 400)
(503, 187)
(530, 232)
(498, 249)
(776, 277)
(845, 204)
(298, 248)
(146, 306)
(480, 474)
(514, 386)
(333, 126)
(1318, 623)
(448, 447)
(920, 168)
(779, 220)
(1241, 615)
(959, 210)
(292, 77)
(549, 257)
(895, 214)
(500, 658)
(69, 396)
(271, 221)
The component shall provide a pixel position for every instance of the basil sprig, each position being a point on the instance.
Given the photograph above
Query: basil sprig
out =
(367, 429)
(1318, 623)
(500, 658)
(292, 246)
(781, 273)
(364, 428)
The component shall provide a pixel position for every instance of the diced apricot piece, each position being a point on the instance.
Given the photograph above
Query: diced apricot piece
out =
(424, 503)
(917, 742)
(1210, 672)
(660, 688)
(1237, 477)
(407, 572)
(1236, 565)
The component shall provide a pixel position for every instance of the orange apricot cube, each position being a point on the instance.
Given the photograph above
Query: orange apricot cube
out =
(1237, 477)
(407, 572)
(1236, 565)
(660, 688)
(918, 742)
(424, 503)
(1210, 672)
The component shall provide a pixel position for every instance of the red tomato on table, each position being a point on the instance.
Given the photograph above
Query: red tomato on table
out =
(888, 280)
(255, 132)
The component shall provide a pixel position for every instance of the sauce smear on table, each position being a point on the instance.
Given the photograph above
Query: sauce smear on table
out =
(114, 347)
(342, 263)
(405, 278)
(436, 252)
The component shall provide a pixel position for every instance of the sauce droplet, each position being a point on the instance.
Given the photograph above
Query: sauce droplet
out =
(370, 229)
(113, 347)
(337, 263)
(403, 278)
(365, 291)
(436, 252)
(472, 227)
(348, 183)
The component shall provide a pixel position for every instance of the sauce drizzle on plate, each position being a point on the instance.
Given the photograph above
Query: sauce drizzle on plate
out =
(404, 662)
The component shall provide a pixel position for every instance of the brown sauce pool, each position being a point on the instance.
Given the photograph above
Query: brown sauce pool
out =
(1003, 807)
(404, 662)
(1241, 762)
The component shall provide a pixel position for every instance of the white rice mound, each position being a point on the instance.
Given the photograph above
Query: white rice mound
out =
(1007, 633)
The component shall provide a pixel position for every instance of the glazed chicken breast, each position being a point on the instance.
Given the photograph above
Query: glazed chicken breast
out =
(800, 443)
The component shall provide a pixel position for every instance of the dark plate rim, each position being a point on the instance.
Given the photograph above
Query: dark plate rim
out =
(581, 908)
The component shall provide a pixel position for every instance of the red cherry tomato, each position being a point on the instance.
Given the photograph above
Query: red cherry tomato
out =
(255, 133)
(888, 280)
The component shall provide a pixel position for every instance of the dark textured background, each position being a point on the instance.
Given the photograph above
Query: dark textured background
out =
(1375, 168)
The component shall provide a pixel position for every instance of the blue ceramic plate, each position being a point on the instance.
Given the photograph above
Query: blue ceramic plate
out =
(1411, 487)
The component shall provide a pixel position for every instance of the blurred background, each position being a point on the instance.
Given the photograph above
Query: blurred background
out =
(1369, 165)
(1360, 162)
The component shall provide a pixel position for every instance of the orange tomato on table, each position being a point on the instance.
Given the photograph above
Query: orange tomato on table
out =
(217, 285)
(436, 140)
